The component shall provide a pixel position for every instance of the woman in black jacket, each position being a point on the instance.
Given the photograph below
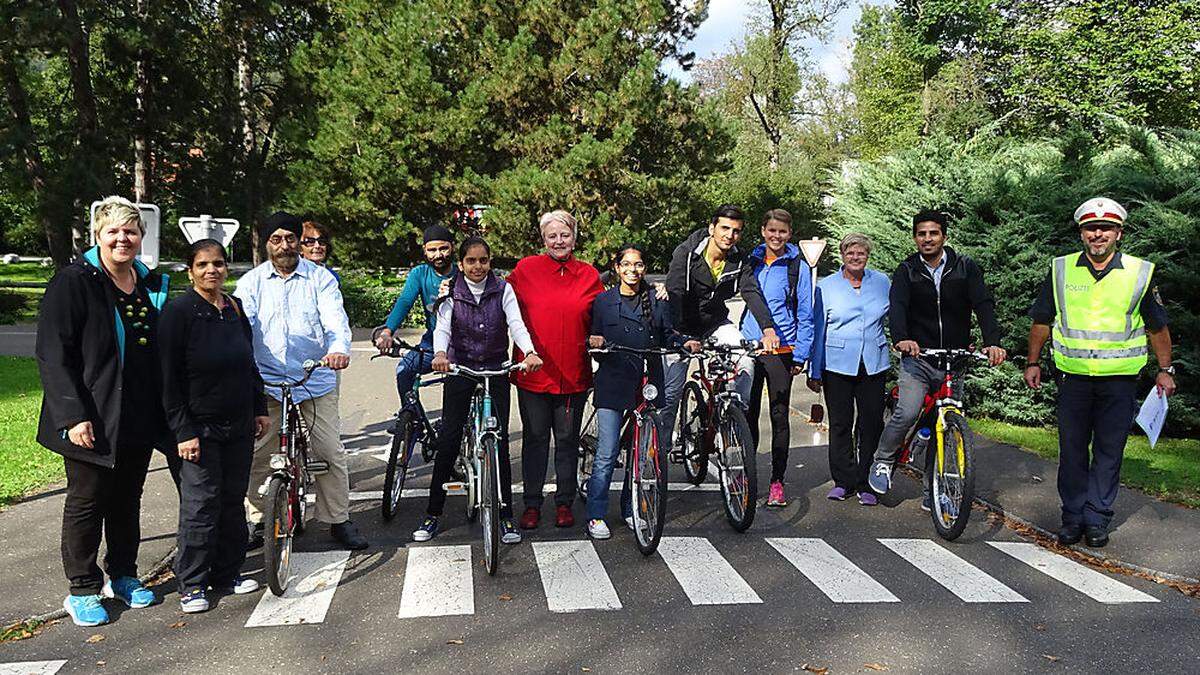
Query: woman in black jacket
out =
(102, 405)
(215, 407)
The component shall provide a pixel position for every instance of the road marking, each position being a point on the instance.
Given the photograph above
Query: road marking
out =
(833, 573)
(31, 667)
(315, 577)
(1083, 579)
(376, 495)
(573, 576)
(437, 582)
(958, 576)
(705, 575)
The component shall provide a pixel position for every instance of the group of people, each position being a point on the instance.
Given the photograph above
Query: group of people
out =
(125, 372)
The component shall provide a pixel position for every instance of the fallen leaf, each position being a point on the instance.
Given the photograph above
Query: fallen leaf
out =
(95, 638)
(454, 642)
(874, 666)
(1039, 626)
(101, 663)
(322, 657)
(586, 669)
(819, 670)
(178, 624)
(1037, 479)
(505, 597)
(1050, 658)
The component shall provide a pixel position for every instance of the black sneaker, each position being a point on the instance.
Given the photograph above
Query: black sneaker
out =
(428, 529)
(926, 502)
(1070, 534)
(348, 536)
(1096, 537)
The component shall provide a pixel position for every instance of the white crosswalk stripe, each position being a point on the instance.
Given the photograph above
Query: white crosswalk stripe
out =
(31, 667)
(1083, 579)
(314, 580)
(705, 575)
(958, 576)
(833, 573)
(437, 582)
(573, 576)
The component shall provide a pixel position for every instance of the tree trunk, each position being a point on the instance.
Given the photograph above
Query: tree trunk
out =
(142, 167)
(245, 90)
(58, 237)
(97, 179)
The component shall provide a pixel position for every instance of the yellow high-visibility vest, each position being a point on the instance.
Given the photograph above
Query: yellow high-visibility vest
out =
(1098, 327)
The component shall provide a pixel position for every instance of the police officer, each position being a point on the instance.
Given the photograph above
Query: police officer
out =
(1097, 307)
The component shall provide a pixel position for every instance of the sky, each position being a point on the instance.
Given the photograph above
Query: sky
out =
(727, 22)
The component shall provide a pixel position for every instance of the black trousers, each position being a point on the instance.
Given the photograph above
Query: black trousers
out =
(212, 514)
(1096, 412)
(852, 442)
(102, 501)
(775, 370)
(456, 406)
(542, 414)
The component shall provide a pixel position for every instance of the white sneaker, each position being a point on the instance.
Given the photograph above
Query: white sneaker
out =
(240, 586)
(598, 529)
(629, 521)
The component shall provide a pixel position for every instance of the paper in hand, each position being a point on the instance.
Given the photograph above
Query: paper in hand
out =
(1153, 415)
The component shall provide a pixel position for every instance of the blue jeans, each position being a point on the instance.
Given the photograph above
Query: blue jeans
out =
(608, 444)
(413, 365)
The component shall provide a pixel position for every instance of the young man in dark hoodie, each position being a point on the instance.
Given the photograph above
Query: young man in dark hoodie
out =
(703, 276)
(933, 294)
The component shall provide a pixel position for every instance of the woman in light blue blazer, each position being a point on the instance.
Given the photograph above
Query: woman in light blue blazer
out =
(850, 361)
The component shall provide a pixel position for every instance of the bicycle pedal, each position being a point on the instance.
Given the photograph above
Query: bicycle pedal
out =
(449, 487)
(317, 466)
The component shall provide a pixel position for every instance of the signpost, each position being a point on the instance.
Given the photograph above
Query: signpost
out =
(148, 254)
(207, 227)
(812, 249)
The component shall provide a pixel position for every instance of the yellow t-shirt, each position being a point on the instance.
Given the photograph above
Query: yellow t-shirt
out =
(717, 266)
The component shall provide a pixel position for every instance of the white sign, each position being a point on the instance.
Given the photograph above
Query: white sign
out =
(812, 250)
(1153, 415)
(207, 227)
(150, 219)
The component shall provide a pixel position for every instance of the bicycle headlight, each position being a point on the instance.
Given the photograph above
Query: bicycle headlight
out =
(279, 462)
(649, 392)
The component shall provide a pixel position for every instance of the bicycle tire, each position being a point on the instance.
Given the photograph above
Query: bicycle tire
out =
(692, 437)
(300, 441)
(587, 451)
(739, 487)
(277, 535)
(650, 495)
(404, 440)
(489, 516)
(950, 515)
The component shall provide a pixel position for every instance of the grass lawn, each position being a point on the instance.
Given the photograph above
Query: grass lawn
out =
(24, 465)
(1171, 470)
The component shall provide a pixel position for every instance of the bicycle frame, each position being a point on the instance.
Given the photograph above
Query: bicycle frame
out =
(933, 411)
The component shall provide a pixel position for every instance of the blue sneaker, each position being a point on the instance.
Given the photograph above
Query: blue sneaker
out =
(129, 591)
(880, 477)
(428, 529)
(85, 610)
(509, 534)
(194, 601)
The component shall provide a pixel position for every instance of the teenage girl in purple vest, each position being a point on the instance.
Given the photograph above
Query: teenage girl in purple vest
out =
(471, 331)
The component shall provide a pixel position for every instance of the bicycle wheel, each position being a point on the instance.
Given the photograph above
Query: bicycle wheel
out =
(649, 479)
(300, 441)
(490, 508)
(952, 477)
(587, 452)
(278, 533)
(407, 437)
(691, 431)
(739, 480)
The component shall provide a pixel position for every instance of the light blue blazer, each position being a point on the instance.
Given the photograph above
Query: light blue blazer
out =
(849, 325)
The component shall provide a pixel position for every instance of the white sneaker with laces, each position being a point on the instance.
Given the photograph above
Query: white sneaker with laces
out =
(598, 529)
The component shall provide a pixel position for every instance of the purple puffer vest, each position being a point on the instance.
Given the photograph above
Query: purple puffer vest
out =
(478, 330)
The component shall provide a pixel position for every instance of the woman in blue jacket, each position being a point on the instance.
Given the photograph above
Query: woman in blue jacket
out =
(776, 286)
(630, 315)
(850, 360)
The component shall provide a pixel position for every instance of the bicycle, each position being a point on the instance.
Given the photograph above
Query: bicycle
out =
(949, 472)
(410, 429)
(285, 491)
(641, 430)
(713, 424)
(480, 461)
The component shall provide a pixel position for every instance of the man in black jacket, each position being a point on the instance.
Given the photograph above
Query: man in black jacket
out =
(933, 294)
(703, 276)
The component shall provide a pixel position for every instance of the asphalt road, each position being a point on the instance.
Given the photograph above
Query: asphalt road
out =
(817, 584)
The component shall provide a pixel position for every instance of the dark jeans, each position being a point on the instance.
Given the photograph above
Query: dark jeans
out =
(541, 414)
(852, 442)
(916, 379)
(775, 371)
(212, 514)
(456, 406)
(103, 501)
(1095, 411)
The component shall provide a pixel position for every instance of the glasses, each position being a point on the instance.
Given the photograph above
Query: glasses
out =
(631, 265)
(278, 239)
(313, 241)
(1098, 227)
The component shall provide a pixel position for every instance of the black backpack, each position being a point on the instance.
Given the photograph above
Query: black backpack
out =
(794, 278)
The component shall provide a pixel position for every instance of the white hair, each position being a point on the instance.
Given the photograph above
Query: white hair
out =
(559, 216)
(856, 239)
(116, 210)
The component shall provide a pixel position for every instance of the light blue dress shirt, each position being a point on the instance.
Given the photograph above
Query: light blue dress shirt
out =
(936, 272)
(295, 319)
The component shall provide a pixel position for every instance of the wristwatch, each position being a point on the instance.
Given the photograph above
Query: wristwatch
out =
(1170, 370)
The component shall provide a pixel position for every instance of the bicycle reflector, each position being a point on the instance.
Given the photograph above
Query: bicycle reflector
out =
(649, 392)
(279, 462)
(491, 424)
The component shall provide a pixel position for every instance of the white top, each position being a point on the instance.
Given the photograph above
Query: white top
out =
(512, 312)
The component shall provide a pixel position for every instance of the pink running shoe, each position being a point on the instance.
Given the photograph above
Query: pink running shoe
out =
(776, 497)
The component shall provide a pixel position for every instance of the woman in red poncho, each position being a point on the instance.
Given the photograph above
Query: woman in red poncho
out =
(555, 292)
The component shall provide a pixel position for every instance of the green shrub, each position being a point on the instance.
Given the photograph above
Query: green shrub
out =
(12, 307)
(369, 297)
(1000, 393)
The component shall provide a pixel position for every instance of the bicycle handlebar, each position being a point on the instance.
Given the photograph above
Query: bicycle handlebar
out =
(503, 370)
(651, 351)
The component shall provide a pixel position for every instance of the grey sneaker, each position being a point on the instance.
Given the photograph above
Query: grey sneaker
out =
(509, 534)
(880, 477)
(598, 529)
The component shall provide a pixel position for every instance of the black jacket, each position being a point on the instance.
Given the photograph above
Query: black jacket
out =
(620, 374)
(79, 342)
(211, 385)
(934, 319)
(697, 302)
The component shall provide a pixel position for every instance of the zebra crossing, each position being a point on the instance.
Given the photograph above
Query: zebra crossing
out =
(441, 580)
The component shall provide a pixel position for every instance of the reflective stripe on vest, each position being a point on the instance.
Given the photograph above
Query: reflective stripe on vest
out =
(1098, 327)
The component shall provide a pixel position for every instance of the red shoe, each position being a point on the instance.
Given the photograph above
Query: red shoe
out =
(529, 519)
(564, 517)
